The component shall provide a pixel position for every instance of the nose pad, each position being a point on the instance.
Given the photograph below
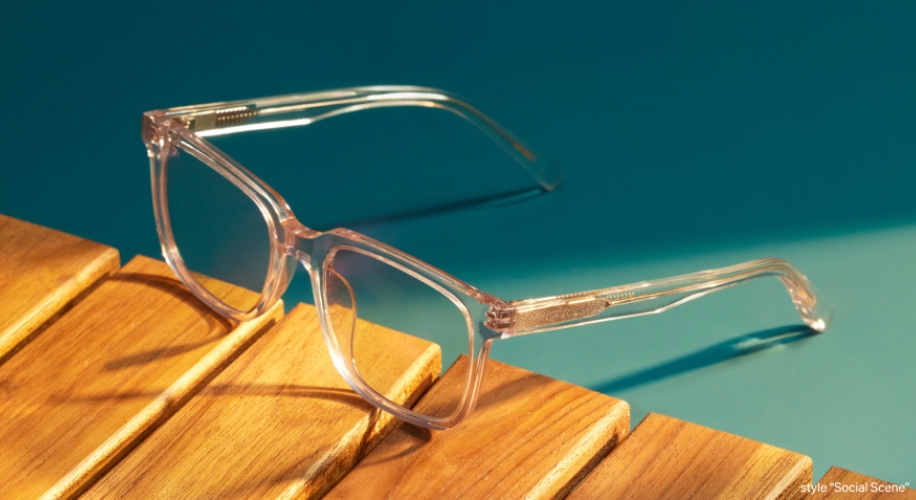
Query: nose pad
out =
(341, 310)
(292, 263)
(294, 257)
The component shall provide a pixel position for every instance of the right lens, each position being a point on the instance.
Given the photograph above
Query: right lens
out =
(363, 293)
(219, 231)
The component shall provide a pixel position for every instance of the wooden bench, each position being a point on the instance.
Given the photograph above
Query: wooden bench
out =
(118, 383)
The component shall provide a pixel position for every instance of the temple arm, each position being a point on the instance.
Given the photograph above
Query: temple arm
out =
(298, 110)
(652, 297)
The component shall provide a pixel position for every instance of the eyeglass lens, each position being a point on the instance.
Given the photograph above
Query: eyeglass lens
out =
(218, 229)
(362, 291)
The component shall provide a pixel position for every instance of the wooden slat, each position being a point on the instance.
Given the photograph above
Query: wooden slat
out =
(668, 458)
(101, 377)
(43, 272)
(280, 422)
(841, 484)
(530, 437)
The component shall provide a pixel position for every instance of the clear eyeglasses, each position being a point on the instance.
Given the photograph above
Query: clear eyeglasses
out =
(252, 239)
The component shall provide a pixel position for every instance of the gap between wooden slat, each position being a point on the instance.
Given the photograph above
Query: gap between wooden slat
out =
(44, 273)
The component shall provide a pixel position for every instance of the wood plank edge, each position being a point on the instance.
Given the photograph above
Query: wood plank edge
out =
(106, 456)
(376, 426)
(615, 424)
(31, 325)
(801, 474)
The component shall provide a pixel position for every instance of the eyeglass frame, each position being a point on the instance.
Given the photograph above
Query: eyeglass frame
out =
(488, 317)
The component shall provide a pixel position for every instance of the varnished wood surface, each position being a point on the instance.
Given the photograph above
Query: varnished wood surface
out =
(841, 484)
(666, 458)
(280, 422)
(130, 388)
(43, 272)
(530, 437)
(103, 375)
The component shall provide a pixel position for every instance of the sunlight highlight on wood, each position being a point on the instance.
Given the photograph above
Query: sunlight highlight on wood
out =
(666, 458)
(43, 273)
(102, 376)
(530, 437)
(280, 422)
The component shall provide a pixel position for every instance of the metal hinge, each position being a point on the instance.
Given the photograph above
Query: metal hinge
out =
(219, 118)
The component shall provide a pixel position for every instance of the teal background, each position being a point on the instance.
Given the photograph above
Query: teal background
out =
(694, 135)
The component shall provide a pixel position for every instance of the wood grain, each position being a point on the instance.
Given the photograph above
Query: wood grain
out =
(666, 458)
(530, 437)
(100, 378)
(43, 273)
(841, 484)
(280, 422)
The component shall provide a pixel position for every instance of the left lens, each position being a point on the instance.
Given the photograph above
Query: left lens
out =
(364, 292)
(219, 231)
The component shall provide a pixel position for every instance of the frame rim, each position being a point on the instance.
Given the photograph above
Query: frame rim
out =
(286, 236)
(171, 135)
(477, 355)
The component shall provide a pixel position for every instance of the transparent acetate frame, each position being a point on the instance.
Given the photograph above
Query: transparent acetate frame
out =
(488, 317)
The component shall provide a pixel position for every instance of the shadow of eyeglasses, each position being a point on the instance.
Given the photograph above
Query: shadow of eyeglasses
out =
(507, 198)
(730, 349)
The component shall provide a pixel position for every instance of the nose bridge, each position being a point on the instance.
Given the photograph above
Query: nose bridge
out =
(298, 248)
(300, 256)
(298, 244)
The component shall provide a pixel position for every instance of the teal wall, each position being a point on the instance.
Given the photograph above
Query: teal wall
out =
(693, 134)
